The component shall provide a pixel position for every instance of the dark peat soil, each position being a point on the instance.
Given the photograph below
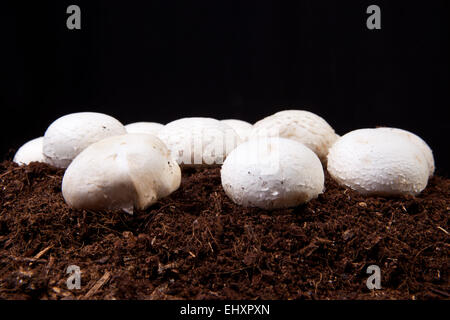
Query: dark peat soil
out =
(197, 244)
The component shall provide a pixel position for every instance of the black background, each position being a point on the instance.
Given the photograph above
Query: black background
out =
(163, 60)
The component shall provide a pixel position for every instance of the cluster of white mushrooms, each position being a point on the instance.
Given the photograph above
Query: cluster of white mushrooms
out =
(276, 163)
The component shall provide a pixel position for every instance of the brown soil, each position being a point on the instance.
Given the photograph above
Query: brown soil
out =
(197, 244)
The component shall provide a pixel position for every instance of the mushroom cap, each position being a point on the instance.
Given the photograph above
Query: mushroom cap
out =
(419, 142)
(242, 128)
(300, 125)
(197, 140)
(67, 136)
(272, 173)
(382, 162)
(30, 152)
(144, 127)
(121, 172)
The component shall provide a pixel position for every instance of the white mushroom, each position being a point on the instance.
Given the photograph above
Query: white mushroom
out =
(419, 142)
(67, 136)
(374, 161)
(30, 152)
(242, 128)
(144, 127)
(121, 172)
(196, 141)
(272, 173)
(302, 126)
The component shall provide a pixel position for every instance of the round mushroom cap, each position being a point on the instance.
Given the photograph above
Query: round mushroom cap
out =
(67, 136)
(419, 142)
(121, 172)
(144, 127)
(272, 173)
(30, 152)
(299, 125)
(381, 162)
(242, 128)
(197, 140)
